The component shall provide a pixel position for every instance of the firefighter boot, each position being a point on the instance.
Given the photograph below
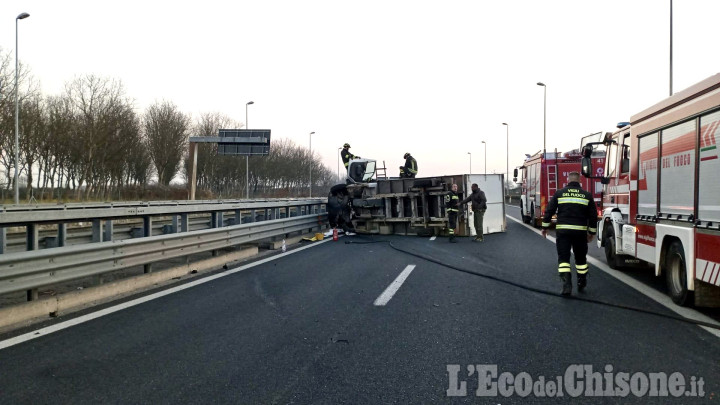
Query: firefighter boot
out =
(582, 282)
(567, 283)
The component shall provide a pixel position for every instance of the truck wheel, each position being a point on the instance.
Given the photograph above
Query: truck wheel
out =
(525, 218)
(676, 274)
(611, 258)
(338, 189)
(533, 220)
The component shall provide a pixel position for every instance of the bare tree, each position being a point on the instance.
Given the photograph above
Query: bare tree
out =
(27, 88)
(99, 105)
(166, 133)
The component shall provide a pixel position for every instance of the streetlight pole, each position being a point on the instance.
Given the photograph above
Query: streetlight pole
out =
(507, 155)
(311, 163)
(485, 157)
(470, 172)
(22, 16)
(338, 164)
(671, 47)
(544, 117)
(247, 157)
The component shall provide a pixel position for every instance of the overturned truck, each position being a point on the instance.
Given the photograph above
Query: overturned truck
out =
(381, 205)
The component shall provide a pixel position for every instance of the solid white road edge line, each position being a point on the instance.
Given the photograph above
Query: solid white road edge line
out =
(656, 296)
(88, 317)
(385, 297)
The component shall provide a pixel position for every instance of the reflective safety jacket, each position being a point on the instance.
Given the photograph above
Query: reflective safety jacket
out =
(411, 166)
(451, 201)
(347, 156)
(575, 209)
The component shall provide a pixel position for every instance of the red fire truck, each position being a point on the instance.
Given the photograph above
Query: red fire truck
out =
(662, 193)
(542, 176)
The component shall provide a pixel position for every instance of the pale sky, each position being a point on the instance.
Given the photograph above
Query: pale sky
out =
(434, 78)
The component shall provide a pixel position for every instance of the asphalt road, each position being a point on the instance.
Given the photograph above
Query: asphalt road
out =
(304, 328)
(645, 275)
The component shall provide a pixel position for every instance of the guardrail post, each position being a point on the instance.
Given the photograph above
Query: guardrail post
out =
(32, 237)
(147, 225)
(147, 231)
(108, 233)
(175, 224)
(61, 234)
(97, 230)
(184, 223)
(253, 214)
(238, 217)
(216, 220)
(3, 240)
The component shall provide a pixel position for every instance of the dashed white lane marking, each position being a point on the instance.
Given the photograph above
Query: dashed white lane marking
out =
(385, 297)
(85, 318)
(653, 294)
(433, 238)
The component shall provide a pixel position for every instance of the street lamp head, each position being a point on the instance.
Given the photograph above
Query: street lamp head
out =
(504, 123)
(23, 16)
(483, 141)
(469, 153)
(250, 102)
(541, 84)
(312, 133)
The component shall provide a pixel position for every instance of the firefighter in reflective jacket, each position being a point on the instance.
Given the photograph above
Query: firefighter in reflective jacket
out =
(451, 206)
(575, 228)
(410, 168)
(347, 156)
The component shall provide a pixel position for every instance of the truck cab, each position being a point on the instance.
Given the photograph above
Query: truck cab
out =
(615, 234)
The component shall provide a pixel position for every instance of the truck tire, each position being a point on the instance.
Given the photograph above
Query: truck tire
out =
(525, 218)
(611, 257)
(338, 189)
(676, 274)
(533, 220)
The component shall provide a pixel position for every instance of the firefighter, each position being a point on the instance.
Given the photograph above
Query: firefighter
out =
(347, 156)
(451, 206)
(410, 168)
(575, 228)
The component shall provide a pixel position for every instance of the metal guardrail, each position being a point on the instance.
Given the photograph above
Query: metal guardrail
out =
(103, 216)
(12, 215)
(34, 269)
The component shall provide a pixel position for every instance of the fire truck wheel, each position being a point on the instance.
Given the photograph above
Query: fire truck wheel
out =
(610, 257)
(676, 274)
(533, 220)
(525, 218)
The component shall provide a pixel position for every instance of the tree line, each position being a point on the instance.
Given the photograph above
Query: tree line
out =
(91, 143)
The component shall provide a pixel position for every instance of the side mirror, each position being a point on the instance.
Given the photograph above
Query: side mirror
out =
(586, 166)
(515, 173)
(587, 151)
